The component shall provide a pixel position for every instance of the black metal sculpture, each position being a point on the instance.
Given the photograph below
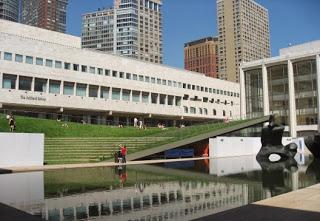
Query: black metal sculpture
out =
(271, 140)
(313, 144)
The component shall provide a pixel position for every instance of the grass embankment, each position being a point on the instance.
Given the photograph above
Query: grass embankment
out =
(84, 143)
(53, 128)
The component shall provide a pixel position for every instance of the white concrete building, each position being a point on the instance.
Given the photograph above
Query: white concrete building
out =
(48, 72)
(287, 85)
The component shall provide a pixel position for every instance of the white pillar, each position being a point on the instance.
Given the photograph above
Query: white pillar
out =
(99, 92)
(32, 84)
(48, 85)
(242, 95)
(74, 89)
(17, 83)
(318, 90)
(61, 87)
(295, 180)
(266, 108)
(1, 78)
(292, 102)
(131, 94)
(87, 90)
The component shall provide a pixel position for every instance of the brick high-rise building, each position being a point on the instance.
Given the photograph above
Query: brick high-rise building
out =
(9, 10)
(45, 14)
(201, 56)
(132, 28)
(243, 35)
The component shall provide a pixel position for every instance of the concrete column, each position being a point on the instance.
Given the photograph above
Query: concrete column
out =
(242, 95)
(141, 96)
(61, 87)
(1, 79)
(17, 83)
(292, 102)
(32, 84)
(318, 90)
(89, 119)
(99, 91)
(103, 120)
(121, 90)
(74, 213)
(87, 90)
(48, 84)
(61, 214)
(110, 93)
(158, 99)
(131, 96)
(150, 99)
(74, 89)
(266, 107)
(116, 120)
(295, 180)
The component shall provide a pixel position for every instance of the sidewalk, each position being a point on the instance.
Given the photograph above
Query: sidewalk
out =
(299, 205)
(90, 165)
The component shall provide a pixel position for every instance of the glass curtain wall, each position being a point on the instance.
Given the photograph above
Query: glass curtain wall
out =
(254, 93)
(278, 92)
(305, 82)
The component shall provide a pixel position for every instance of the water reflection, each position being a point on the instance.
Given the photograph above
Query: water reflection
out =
(151, 192)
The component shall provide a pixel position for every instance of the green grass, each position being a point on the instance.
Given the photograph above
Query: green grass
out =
(84, 143)
(52, 128)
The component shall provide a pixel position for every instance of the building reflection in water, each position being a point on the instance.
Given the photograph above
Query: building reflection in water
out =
(129, 194)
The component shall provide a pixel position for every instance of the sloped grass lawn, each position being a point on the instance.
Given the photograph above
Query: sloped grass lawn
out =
(52, 128)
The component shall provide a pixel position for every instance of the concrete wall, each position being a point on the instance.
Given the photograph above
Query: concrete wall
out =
(39, 34)
(19, 149)
(233, 165)
(237, 146)
(22, 189)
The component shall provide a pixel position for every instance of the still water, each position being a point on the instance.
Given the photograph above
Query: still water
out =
(170, 191)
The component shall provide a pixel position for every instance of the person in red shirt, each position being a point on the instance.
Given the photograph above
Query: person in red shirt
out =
(124, 153)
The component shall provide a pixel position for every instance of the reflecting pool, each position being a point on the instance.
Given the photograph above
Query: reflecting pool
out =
(170, 191)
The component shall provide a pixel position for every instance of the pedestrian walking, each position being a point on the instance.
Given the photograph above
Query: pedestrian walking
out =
(135, 122)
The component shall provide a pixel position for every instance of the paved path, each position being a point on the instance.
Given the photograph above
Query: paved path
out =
(90, 165)
(299, 205)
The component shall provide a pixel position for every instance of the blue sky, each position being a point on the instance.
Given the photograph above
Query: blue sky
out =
(291, 21)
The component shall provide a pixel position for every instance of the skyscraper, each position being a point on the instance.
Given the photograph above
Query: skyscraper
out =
(9, 10)
(243, 35)
(46, 14)
(131, 28)
(201, 56)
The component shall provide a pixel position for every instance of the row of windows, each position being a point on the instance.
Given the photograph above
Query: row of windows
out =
(204, 111)
(84, 90)
(112, 73)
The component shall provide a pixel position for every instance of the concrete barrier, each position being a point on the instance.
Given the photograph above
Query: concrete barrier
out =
(241, 146)
(19, 149)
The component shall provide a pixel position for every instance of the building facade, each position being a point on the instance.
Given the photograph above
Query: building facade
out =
(45, 14)
(9, 10)
(202, 56)
(132, 28)
(243, 35)
(49, 72)
(287, 85)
